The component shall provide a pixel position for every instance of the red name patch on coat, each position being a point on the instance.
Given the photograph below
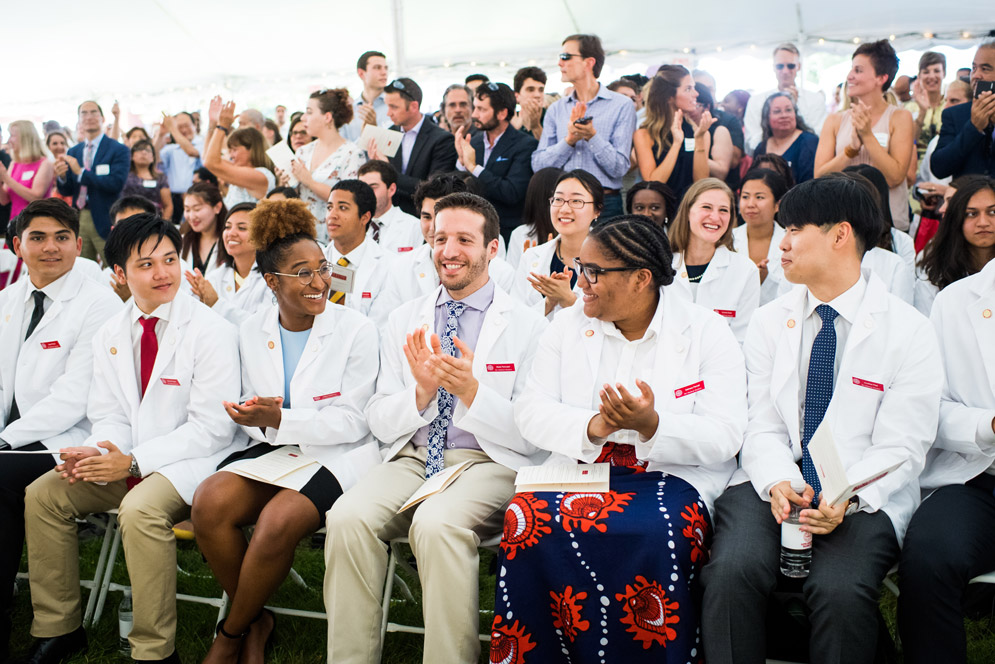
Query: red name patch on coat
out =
(367, 296)
(170, 381)
(50, 344)
(403, 249)
(326, 396)
(500, 367)
(867, 383)
(726, 313)
(690, 389)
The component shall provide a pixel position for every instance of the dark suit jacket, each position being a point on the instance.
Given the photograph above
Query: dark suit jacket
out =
(961, 148)
(434, 152)
(101, 190)
(506, 174)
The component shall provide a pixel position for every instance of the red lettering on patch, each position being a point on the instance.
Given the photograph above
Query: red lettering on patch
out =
(47, 345)
(367, 296)
(403, 249)
(689, 389)
(869, 384)
(726, 313)
(501, 367)
(170, 381)
(326, 396)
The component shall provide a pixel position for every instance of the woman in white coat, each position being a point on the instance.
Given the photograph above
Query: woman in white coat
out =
(308, 370)
(637, 377)
(709, 271)
(545, 279)
(760, 237)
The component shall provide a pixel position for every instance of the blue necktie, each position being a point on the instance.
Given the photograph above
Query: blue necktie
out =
(818, 390)
(438, 429)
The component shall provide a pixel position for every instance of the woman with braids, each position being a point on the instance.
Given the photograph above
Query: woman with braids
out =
(637, 377)
(308, 370)
(965, 242)
(709, 271)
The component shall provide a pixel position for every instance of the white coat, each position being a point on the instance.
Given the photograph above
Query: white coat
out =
(180, 428)
(236, 306)
(892, 270)
(501, 361)
(334, 380)
(884, 407)
(50, 371)
(537, 259)
(904, 246)
(776, 284)
(370, 281)
(924, 292)
(964, 318)
(700, 432)
(730, 287)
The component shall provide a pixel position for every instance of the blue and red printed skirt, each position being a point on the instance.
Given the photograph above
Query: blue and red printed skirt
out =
(602, 578)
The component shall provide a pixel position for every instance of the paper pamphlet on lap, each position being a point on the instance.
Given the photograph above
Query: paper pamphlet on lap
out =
(282, 157)
(591, 477)
(836, 487)
(55, 452)
(286, 467)
(435, 484)
(387, 140)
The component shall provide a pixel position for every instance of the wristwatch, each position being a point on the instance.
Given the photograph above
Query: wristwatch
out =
(852, 505)
(134, 470)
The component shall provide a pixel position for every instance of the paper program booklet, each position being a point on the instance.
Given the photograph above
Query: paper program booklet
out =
(836, 486)
(591, 477)
(435, 484)
(285, 467)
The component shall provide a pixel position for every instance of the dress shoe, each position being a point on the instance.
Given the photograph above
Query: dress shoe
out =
(172, 659)
(57, 648)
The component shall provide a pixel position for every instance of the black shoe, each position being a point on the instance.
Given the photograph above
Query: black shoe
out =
(57, 648)
(172, 659)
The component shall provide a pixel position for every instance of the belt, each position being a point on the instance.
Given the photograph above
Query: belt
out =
(609, 192)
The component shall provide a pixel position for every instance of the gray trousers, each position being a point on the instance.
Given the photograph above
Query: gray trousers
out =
(841, 591)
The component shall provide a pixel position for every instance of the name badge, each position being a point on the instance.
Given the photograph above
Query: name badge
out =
(882, 138)
(48, 345)
(342, 278)
(868, 384)
(367, 296)
(401, 250)
(326, 396)
(27, 175)
(689, 389)
(170, 381)
(726, 313)
(689, 145)
(149, 184)
(103, 169)
(501, 367)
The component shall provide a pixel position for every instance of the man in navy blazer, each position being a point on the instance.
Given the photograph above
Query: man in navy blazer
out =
(93, 189)
(965, 144)
(501, 160)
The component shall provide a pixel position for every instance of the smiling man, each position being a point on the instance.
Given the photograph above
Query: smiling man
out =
(161, 369)
(436, 407)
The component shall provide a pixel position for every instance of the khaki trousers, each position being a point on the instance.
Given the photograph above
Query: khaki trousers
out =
(146, 515)
(93, 244)
(444, 531)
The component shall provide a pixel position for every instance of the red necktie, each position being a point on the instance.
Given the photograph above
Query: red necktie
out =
(149, 348)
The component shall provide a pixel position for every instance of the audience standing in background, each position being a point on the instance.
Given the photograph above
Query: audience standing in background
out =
(248, 170)
(181, 158)
(457, 109)
(965, 144)
(370, 107)
(30, 175)
(927, 93)
(530, 86)
(786, 134)
(393, 229)
(145, 180)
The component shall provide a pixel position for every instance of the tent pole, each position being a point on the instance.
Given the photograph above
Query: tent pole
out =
(398, 16)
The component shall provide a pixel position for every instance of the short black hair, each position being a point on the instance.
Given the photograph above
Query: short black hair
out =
(288, 192)
(55, 208)
(206, 175)
(476, 77)
(364, 59)
(590, 47)
(500, 96)
(407, 88)
(362, 195)
(525, 73)
(589, 182)
(831, 199)
(133, 232)
(439, 185)
(883, 58)
(388, 174)
(464, 200)
(636, 241)
(131, 203)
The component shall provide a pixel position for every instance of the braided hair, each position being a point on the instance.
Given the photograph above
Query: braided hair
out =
(635, 240)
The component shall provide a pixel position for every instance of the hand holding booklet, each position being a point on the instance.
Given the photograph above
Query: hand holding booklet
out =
(590, 477)
(387, 140)
(282, 158)
(836, 486)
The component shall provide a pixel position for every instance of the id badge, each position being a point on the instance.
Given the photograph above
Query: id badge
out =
(103, 169)
(343, 278)
(689, 145)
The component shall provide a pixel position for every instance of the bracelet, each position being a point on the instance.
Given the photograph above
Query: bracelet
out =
(224, 129)
(851, 152)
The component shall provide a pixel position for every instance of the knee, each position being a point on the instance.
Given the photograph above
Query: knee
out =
(430, 530)
(277, 531)
(346, 523)
(840, 596)
(210, 504)
(40, 496)
(735, 571)
(138, 515)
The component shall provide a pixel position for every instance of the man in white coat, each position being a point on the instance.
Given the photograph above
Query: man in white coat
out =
(161, 369)
(48, 319)
(840, 352)
(951, 538)
(396, 231)
(436, 408)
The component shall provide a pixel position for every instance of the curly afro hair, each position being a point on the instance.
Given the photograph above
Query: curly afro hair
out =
(276, 225)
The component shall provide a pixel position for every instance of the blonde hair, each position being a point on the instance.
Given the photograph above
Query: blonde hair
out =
(30, 148)
(680, 227)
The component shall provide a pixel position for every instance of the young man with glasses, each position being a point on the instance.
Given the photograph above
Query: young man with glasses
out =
(591, 128)
(811, 105)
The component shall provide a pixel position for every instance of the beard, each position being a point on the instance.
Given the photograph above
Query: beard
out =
(473, 272)
(486, 126)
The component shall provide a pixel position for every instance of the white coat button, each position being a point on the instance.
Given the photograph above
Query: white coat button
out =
(987, 313)
(228, 289)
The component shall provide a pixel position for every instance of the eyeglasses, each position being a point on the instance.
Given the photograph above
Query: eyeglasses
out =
(575, 203)
(567, 56)
(398, 86)
(306, 275)
(781, 65)
(591, 272)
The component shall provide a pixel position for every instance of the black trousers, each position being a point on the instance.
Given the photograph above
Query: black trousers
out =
(841, 590)
(16, 473)
(950, 540)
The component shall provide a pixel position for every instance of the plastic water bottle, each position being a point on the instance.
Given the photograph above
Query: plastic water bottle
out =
(796, 545)
(125, 619)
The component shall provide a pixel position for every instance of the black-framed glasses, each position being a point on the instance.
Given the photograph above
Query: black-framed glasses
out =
(306, 275)
(790, 65)
(567, 56)
(591, 272)
(575, 203)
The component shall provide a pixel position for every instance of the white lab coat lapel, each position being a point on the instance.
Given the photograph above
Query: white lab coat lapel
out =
(425, 275)
(324, 326)
(784, 374)
(716, 267)
(673, 346)
(123, 360)
(980, 324)
(270, 353)
(13, 321)
(494, 325)
(179, 318)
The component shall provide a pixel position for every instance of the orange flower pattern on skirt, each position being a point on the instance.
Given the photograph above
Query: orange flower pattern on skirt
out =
(509, 643)
(590, 510)
(524, 523)
(695, 531)
(566, 612)
(649, 613)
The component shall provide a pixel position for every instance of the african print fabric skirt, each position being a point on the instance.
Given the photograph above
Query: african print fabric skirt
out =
(603, 578)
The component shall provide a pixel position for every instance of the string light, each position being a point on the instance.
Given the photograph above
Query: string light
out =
(856, 40)
(821, 41)
(965, 34)
(687, 50)
(927, 35)
(891, 37)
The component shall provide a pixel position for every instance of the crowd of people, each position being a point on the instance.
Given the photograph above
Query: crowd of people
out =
(631, 274)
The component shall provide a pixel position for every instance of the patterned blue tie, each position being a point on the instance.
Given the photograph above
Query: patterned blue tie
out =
(438, 429)
(818, 390)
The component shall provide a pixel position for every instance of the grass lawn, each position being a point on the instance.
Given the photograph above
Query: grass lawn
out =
(302, 640)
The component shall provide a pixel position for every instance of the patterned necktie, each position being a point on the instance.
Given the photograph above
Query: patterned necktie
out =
(818, 390)
(375, 225)
(87, 164)
(36, 316)
(338, 297)
(438, 429)
(149, 349)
